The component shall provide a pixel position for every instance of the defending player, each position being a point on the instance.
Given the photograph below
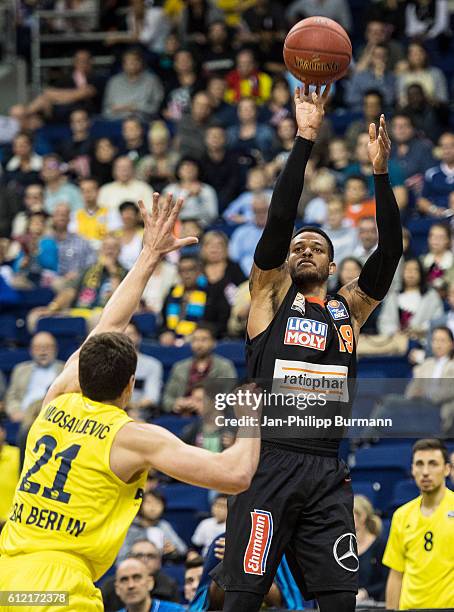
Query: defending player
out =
(86, 461)
(300, 500)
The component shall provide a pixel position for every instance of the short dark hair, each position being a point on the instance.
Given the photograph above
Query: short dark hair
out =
(195, 562)
(357, 177)
(157, 495)
(89, 179)
(106, 363)
(128, 204)
(317, 230)
(208, 327)
(444, 328)
(431, 444)
(374, 92)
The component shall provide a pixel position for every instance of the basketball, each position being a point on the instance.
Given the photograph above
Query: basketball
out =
(317, 50)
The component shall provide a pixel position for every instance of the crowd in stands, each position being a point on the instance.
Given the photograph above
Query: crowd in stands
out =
(197, 103)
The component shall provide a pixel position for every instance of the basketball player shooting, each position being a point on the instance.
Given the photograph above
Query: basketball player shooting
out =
(300, 501)
(86, 461)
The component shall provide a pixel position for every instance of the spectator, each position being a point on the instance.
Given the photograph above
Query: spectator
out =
(447, 318)
(124, 187)
(57, 189)
(425, 115)
(373, 75)
(182, 86)
(420, 557)
(33, 201)
(244, 239)
(31, 379)
(151, 25)
(378, 32)
(439, 261)
(247, 81)
(438, 180)
(240, 210)
(264, 26)
(348, 270)
(343, 236)
(416, 69)
(192, 575)
(134, 145)
(77, 149)
(218, 55)
(358, 205)
(133, 585)
(134, 90)
(195, 20)
(426, 20)
(338, 10)
(279, 105)
(239, 312)
(130, 234)
(250, 137)
(9, 469)
(413, 307)
(204, 365)
(368, 239)
(283, 144)
(165, 588)
(192, 127)
(338, 159)
(102, 160)
(372, 109)
(164, 277)
(210, 528)
(200, 200)
(149, 376)
(322, 186)
(223, 113)
(158, 168)
(149, 524)
(24, 167)
(220, 168)
(372, 574)
(92, 221)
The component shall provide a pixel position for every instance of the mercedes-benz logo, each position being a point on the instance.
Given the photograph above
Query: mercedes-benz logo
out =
(344, 551)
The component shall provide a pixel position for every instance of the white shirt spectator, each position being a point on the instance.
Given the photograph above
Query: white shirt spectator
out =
(205, 532)
(149, 376)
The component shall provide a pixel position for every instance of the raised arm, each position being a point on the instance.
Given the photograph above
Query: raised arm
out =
(158, 239)
(365, 292)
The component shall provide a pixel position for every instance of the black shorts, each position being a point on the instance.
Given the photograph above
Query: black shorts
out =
(298, 504)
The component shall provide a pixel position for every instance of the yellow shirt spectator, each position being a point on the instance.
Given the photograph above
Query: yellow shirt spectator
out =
(91, 225)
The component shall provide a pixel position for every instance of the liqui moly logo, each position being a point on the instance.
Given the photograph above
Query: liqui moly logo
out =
(306, 332)
(259, 543)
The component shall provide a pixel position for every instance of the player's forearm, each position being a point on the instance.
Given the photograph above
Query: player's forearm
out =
(240, 461)
(393, 590)
(272, 248)
(126, 298)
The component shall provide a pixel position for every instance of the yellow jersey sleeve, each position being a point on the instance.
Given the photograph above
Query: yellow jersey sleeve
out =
(394, 552)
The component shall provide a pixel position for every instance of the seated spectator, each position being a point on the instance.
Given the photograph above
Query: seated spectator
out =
(378, 32)
(102, 159)
(134, 90)
(373, 75)
(372, 109)
(208, 529)
(236, 326)
(322, 186)
(220, 168)
(130, 234)
(134, 145)
(447, 318)
(158, 168)
(192, 575)
(195, 20)
(368, 239)
(247, 81)
(218, 56)
(165, 588)
(133, 585)
(57, 189)
(149, 524)
(341, 232)
(9, 469)
(193, 125)
(338, 159)
(410, 151)
(338, 10)
(200, 200)
(410, 310)
(244, 239)
(164, 277)
(283, 143)
(24, 167)
(358, 204)
(151, 25)
(33, 201)
(8, 295)
(91, 222)
(426, 116)
(240, 210)
(80, 90)
(204, 365)
(77, 149)
(124, 187)
(149, 377)
(426, 20)
(31, 379)
(439, 261)
(416, 69)
(223, 112)
(368, 528)
(438, 180)
(250, 137)
(279, 105)
(181, 86)
(74, 252)
(347, 270)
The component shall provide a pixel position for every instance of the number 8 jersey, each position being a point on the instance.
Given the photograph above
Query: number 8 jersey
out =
(68, 499)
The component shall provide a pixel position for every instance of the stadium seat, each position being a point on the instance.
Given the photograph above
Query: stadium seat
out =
(404, 491)
(8, 329)
(69, 332)
(368, 489)
(173, 422)
(146, 324)
(236, 353)
(185, 507)
(167, 355)
(176, 571)
(10, 358)
(387, 366)
(36, 297)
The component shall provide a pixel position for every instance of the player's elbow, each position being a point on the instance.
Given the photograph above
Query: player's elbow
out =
(236, 482)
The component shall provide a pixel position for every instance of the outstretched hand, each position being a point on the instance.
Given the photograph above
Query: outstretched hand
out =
(379, 147)
(309, 110)
(159, 237)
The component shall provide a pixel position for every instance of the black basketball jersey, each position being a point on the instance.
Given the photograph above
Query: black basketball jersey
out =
(309, 347)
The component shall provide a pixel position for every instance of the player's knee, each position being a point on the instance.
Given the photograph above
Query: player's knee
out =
(337, 601)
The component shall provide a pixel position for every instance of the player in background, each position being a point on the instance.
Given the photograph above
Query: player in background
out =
(86, 461)
(300, 501)
(420, 548)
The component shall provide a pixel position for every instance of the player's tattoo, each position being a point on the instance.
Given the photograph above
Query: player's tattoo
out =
(353, 288)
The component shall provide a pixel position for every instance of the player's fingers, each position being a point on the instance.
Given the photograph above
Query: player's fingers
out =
(143, 211)
(326, 92)
(384, 139)
(183, 242)
(175, 211)
(155, 206)
(372, 132)
(317, 90)
(314, 97)
(306, 90)
(297, 95)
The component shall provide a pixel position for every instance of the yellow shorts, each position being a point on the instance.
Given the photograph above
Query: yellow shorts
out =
(50, 571)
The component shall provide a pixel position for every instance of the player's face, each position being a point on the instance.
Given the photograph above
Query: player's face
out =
(429, 470)
(308, 260)
(132, 582)
(191, 581)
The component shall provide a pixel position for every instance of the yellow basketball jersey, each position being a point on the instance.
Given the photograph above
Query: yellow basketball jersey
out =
(422, 548)
(68, 499)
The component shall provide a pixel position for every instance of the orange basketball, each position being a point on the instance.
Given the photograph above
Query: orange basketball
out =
(317, 50)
